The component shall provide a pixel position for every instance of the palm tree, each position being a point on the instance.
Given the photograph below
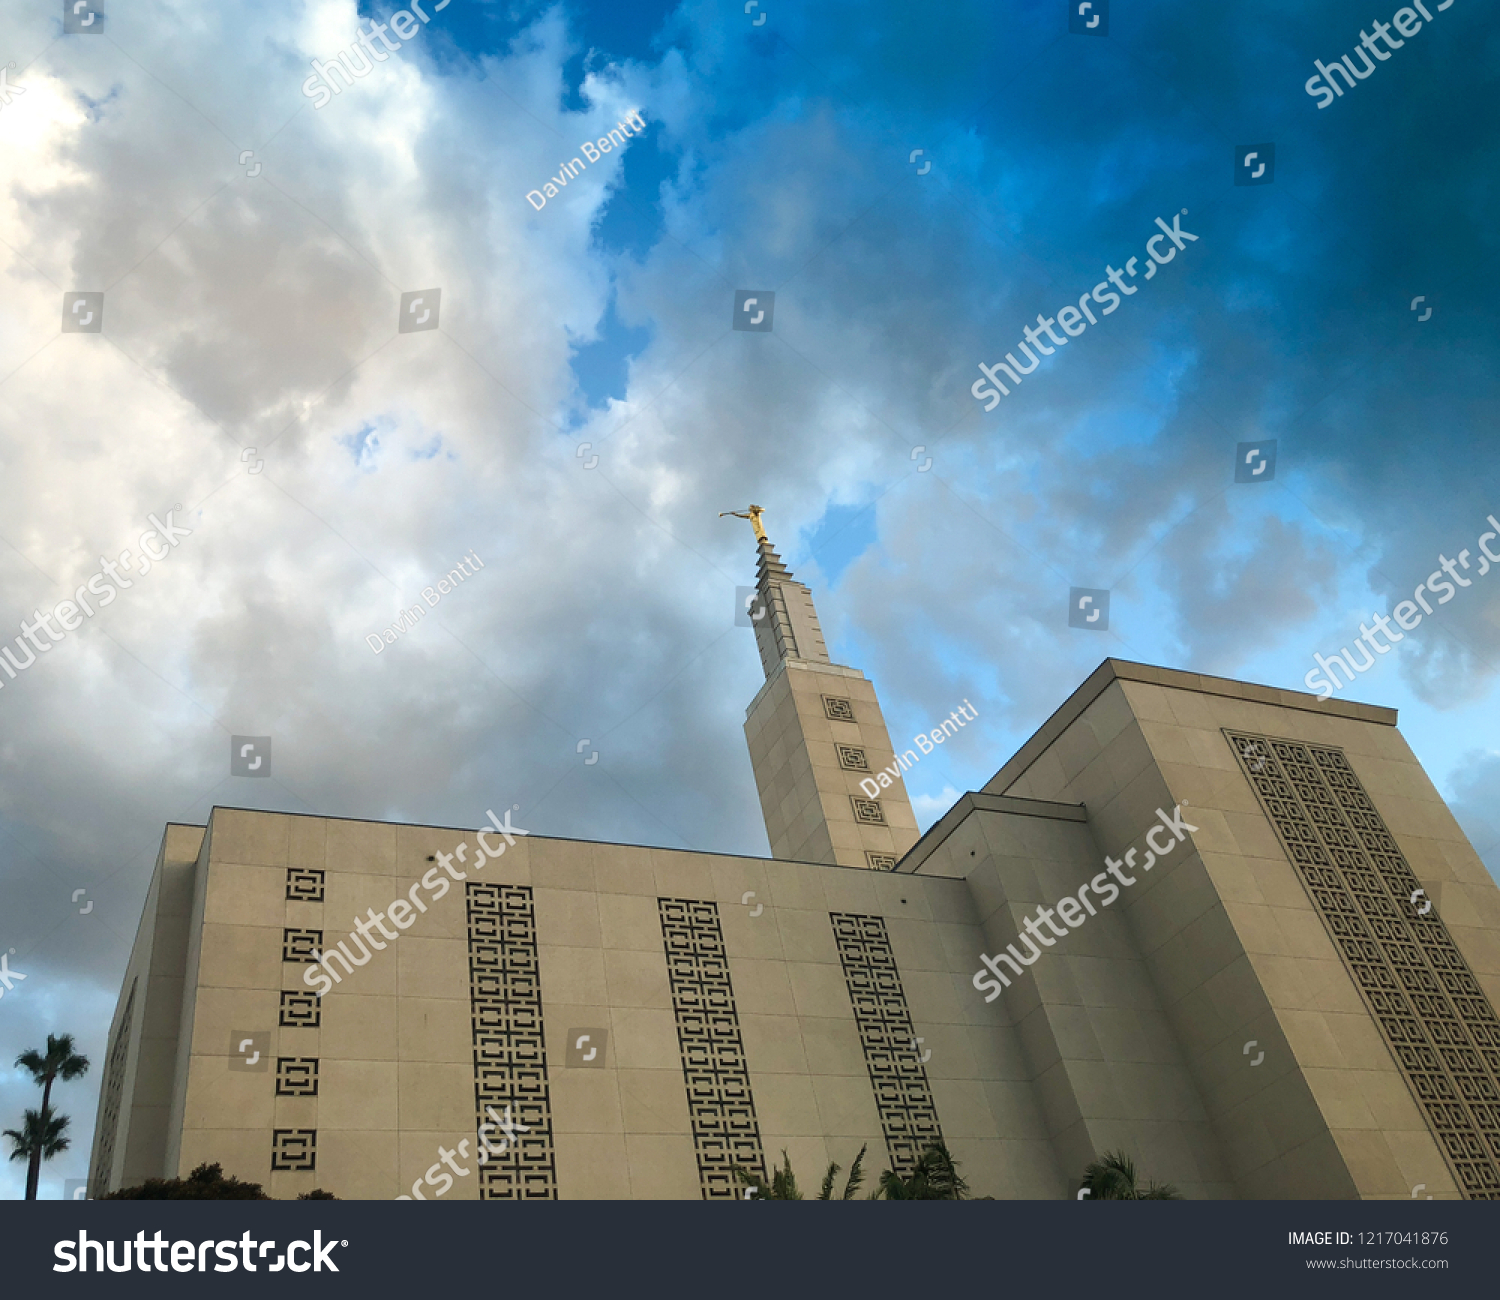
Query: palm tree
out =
(1113, 1178)
(935, 1177)
(59, 1062)
(783, 1184)
(39, 1138)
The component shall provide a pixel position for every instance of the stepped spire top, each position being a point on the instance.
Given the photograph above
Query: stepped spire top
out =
(786, 624)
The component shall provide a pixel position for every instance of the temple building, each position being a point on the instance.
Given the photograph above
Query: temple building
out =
(1230, 929)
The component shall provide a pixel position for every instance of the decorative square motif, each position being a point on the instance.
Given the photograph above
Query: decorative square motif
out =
(300, 1010)
(296, 1076)
(881, 861)
(852, 758)
(304, 885)
(867, 811)
(301, 945)
(841, 710)
(294, 1150)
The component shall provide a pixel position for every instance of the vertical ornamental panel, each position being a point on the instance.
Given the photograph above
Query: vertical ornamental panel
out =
(510, 1059)
(903, 1097)
(725, 1130)
(1435, 1018)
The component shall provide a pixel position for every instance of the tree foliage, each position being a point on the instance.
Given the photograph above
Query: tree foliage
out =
(934, 1177)
(205, 1183)
(1113, 1178)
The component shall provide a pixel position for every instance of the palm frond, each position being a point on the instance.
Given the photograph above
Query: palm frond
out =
(825, 1193)
(784, 1181)
(38, 1134)
(59, 1061)
(856, 1175)
(1113, 1177)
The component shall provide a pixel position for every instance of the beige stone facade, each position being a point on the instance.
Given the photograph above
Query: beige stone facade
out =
(1231, 930)
(738, 1006)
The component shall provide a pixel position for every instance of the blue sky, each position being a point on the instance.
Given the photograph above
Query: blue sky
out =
(259, 312)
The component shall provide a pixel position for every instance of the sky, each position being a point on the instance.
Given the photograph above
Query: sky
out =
(582, 406)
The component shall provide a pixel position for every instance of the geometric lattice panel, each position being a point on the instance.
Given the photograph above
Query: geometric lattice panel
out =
(1433, 1015)
(903, 1097)
(114, 1093)
(725, 1131)
(510, 1058)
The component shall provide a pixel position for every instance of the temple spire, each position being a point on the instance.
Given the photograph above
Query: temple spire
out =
(786, 623)
(817, 737)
